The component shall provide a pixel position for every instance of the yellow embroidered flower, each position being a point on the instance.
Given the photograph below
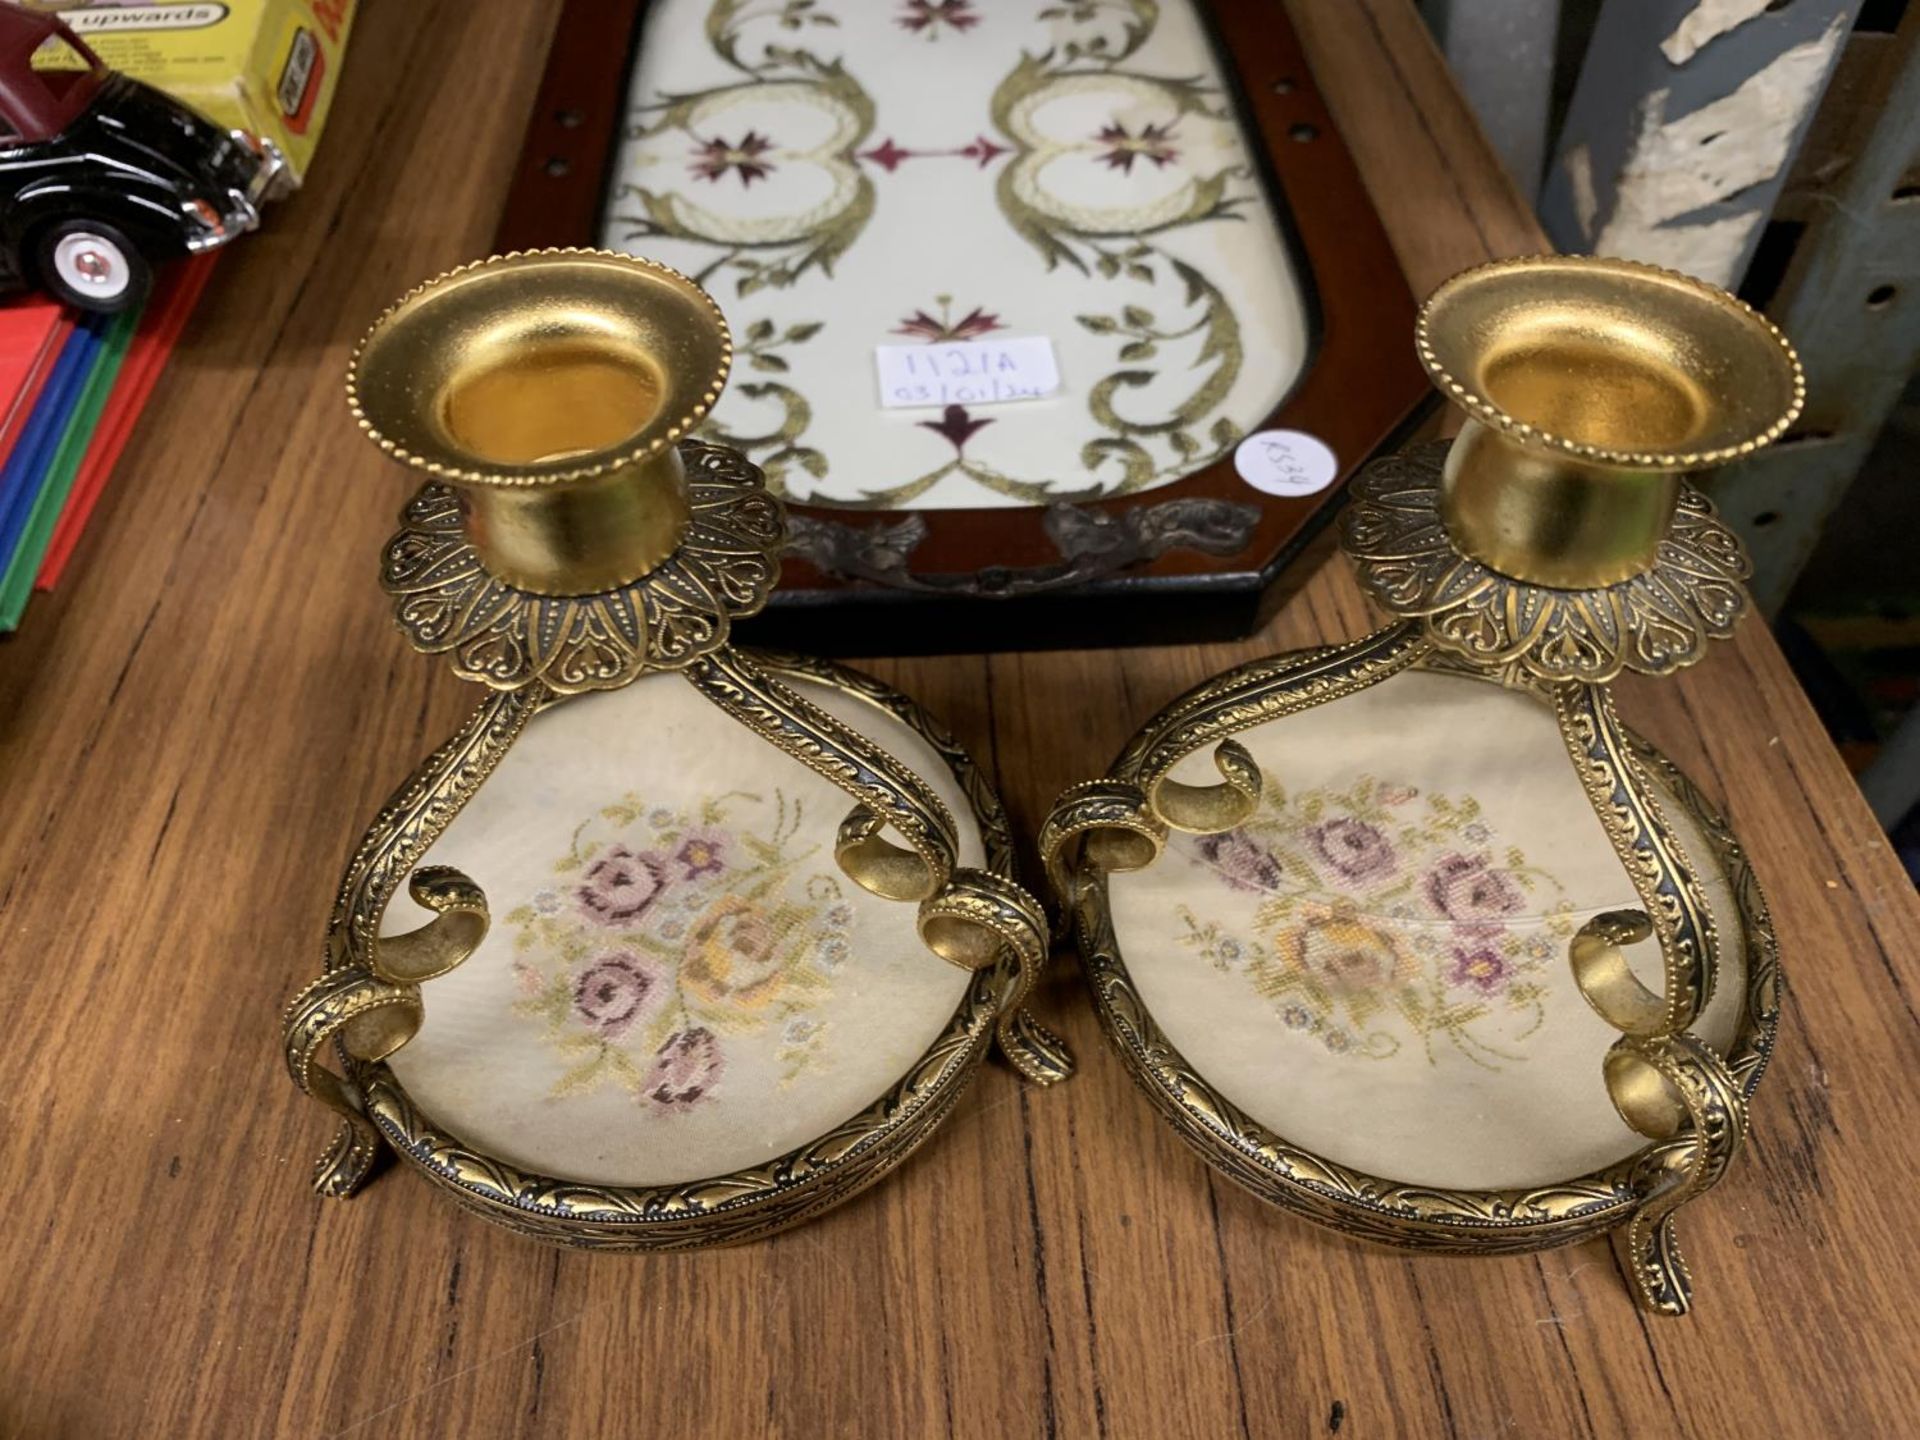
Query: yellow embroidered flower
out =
(1346, 955)
(736, 955)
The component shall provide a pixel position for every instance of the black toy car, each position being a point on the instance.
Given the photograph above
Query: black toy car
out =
(101, 177)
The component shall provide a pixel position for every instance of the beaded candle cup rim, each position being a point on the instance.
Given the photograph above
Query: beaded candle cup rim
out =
(553, 389)
(1673, 373)
(470, 376)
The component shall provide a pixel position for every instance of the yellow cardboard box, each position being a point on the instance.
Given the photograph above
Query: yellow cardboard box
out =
(269, 66)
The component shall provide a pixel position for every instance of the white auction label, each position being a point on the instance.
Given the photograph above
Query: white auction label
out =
(1286, 462)
(967, 372)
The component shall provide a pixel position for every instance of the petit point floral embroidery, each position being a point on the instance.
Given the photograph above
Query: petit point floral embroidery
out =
(1385, 914)
(672, 935)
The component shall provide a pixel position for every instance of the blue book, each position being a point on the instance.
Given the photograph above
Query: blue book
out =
(27, 467)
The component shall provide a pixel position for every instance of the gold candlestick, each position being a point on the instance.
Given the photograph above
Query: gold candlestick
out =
(1395, 860)
(682, 1040)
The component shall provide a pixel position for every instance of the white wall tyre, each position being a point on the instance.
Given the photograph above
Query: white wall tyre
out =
(92, 266)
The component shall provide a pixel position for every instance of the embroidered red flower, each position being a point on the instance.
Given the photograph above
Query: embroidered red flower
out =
(930, 15)
(1124, 147)
(956, 425)
(974, 323)
(714, 159)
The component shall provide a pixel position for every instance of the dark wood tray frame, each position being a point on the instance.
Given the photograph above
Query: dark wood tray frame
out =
(1215, 558)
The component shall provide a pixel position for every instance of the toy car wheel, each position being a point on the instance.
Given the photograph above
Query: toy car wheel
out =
(93, 266)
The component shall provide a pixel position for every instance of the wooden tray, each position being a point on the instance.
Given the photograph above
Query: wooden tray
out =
(1200, 556)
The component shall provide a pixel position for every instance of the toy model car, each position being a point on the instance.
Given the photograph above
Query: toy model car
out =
(102, 177)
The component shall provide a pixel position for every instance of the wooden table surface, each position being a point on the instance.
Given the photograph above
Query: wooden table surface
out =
(195, 729)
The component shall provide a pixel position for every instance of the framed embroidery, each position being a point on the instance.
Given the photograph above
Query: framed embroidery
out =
(1151, 186)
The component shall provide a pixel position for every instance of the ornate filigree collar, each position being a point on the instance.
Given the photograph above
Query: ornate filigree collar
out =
(446, 601)
(1654, 623)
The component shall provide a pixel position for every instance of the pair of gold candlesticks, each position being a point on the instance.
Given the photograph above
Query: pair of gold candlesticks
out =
(1355, 886)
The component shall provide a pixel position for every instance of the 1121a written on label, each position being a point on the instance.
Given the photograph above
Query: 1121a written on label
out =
(966, 372)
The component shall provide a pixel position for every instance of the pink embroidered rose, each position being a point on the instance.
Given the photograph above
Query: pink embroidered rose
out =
(621, 886)
(1353, 849)
(1481, 966)
(685, 1068)
(1242, 862)
(617, 991)
(1469, 888)
(701, 852)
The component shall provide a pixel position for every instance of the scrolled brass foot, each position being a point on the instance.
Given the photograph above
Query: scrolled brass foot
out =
(1667, 1083)
(371, 1019)
(973, 922)
(1673, 1089)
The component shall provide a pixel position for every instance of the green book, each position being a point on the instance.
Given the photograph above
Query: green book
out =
(16, 585)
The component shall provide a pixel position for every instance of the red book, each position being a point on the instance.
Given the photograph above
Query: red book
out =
(166, 315)
(31, 334)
